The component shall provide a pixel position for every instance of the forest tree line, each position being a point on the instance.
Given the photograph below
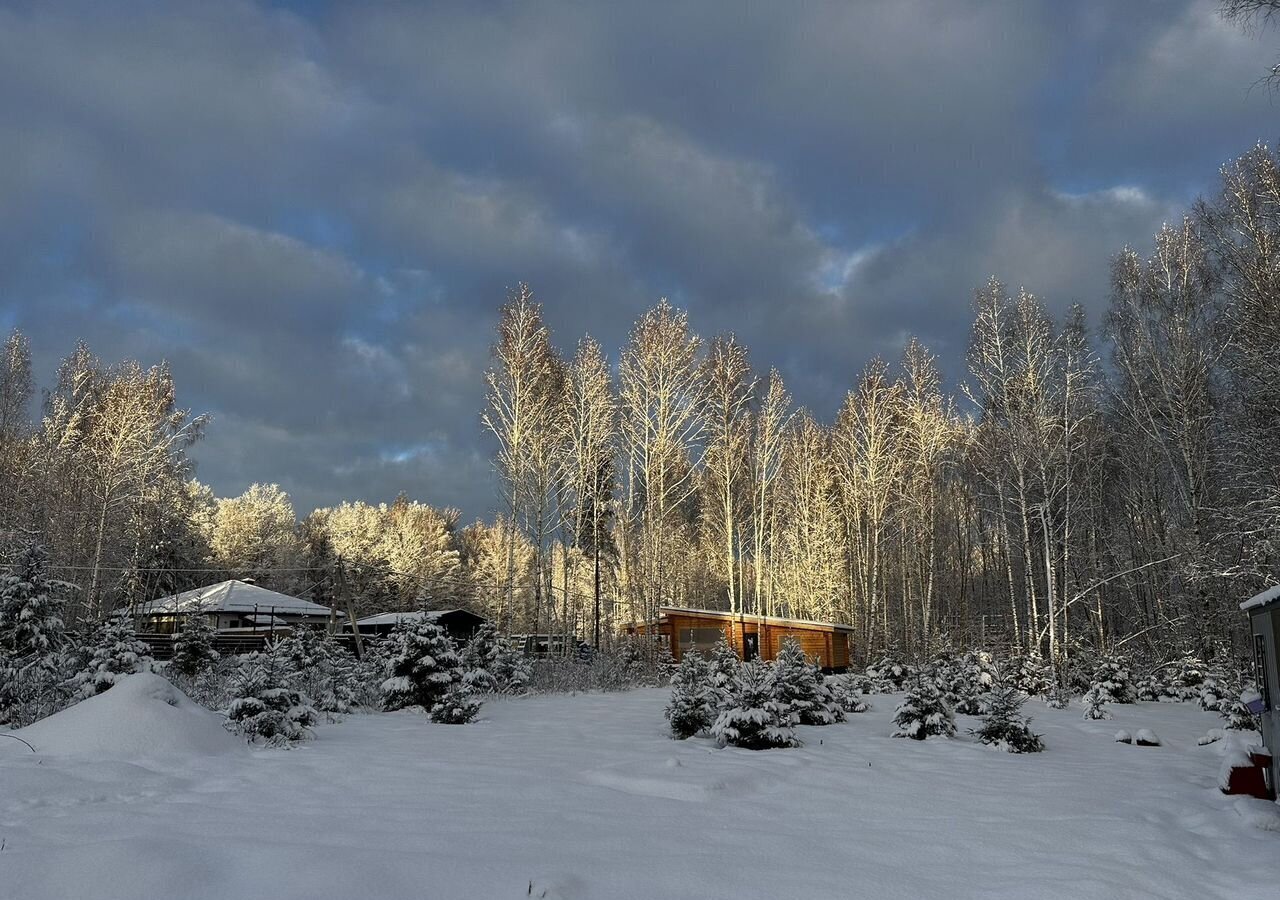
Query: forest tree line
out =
(1105, 483)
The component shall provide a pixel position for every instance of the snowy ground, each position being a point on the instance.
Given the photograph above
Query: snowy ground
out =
(585, 797)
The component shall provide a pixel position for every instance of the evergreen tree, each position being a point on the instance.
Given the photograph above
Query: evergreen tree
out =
(850, 693)
(693, 698)
(888, 674)
(724, 665)
(1186, 679)
(1095, 702)
(340, 689)
(193, 650)
(31, 626)
(1114, 677)
(923, 712)
(1004, 725)
(1237, 714)
(978, 672)
(116, 652)
(755, 718)
(1032, 675)
(421, 665)
(266, 706)
(1213, 690)
(458, 705)
(477, 655)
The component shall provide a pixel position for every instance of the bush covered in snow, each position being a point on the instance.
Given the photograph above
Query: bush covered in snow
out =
(1095, 702)
(1004, 725)
(1113, 676)
(457, 706)
(923, 712)
(888, 674)
(265, 705)
(799, 684)
(33, 666)
(421, 664)
(193, 650)
(114, 653)
(755, 717)
(322, 669)
(490, 665)
(693, 697)
(850, 692)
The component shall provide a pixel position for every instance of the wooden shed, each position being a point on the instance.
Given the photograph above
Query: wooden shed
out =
(752, 636)
(1264, 624)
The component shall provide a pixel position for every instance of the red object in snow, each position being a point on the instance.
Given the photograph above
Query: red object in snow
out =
(1251, 780)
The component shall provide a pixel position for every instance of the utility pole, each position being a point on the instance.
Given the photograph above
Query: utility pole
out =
(345, 598)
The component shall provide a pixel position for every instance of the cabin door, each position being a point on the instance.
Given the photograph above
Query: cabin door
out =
(750, 647)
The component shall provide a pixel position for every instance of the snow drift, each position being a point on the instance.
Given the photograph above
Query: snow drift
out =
(142, 716)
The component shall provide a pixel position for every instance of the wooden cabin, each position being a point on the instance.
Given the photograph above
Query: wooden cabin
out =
(751, 636)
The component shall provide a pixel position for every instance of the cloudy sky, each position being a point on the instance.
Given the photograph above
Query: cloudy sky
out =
(314, 210)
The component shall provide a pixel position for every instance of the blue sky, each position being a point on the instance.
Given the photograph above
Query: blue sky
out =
(314, 210)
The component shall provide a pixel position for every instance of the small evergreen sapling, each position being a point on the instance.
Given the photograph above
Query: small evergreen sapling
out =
(799, 687)
(1114, 677)
(1004, 725)
(457, 706)
(31, 625)
(266, 706)
(116, 652)
(1032, 675)
(476, 656)
(193, 650)
(850, 693)
(923, 713)
(693, 698)
(421, 665)
(979, 676)
(1237, 713)
(724, 666)
(1095, 703)
(756, 718)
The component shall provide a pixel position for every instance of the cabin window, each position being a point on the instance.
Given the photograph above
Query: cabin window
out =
(699, 640)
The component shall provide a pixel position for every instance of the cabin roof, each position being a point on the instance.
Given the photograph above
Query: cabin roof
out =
(234, 596)
(1265, 598)
(395, 618)
(749, 617)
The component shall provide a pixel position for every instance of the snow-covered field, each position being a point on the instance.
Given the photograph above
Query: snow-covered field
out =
(586, 797)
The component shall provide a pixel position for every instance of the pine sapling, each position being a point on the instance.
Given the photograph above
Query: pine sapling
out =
(756, 718)
(923, 713)
(457, 706)
(693, 698)
(1004, 725)
(1095, 703)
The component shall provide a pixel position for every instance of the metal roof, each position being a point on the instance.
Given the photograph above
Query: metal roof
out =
(234, 596)
(395, 618)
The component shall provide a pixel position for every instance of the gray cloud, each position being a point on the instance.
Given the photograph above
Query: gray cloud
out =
(314, 214)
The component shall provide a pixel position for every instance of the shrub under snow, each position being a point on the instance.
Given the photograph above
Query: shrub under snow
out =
(756, 718)
(116, 652)
(693, 698)
(265, 705)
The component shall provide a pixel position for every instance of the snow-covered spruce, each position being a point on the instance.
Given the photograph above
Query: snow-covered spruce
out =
(321, 668)
(756, 719)
(693, 698)
(888, 674)
(923, 713)
(1032, 675)
(1214, 690)
(850, 692)
(1113, 675)
(1004, 725)
(1058, 697)
(266, 707)
(1236, 712)
(457, 706)
(31, 625)
(116, 652)
(1184, 680)
(978, 670)
(1095, 702)
(193, 650)
(724, 666)
(421, 664)
(800, 686)
(491, 665)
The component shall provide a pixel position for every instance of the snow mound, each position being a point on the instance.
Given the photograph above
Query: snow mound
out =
(142, 716)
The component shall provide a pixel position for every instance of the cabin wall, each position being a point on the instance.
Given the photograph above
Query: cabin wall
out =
(830, 647)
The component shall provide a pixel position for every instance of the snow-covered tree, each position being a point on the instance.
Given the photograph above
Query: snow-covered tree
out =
(1005, 726)
(1095, 702)
(1032, 675)
(693, 698)
(478, 655)
(979, 675)
(724, 665)
(923, 713)
(31, 626)
(266, 706)
(850, 692)
(116, 652)
(800, 685)
(888, 674)
(458, 705)
(1185, 679)
(193, 650)
(756, 718)
(421, 665)
(1238, 717)
(1114, 677)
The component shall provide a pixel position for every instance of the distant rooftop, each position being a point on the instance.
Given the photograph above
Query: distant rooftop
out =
(1270, 595)
(234, 596)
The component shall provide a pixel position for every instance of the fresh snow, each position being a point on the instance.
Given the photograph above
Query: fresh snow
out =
(587, 797)
(1270, 595)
